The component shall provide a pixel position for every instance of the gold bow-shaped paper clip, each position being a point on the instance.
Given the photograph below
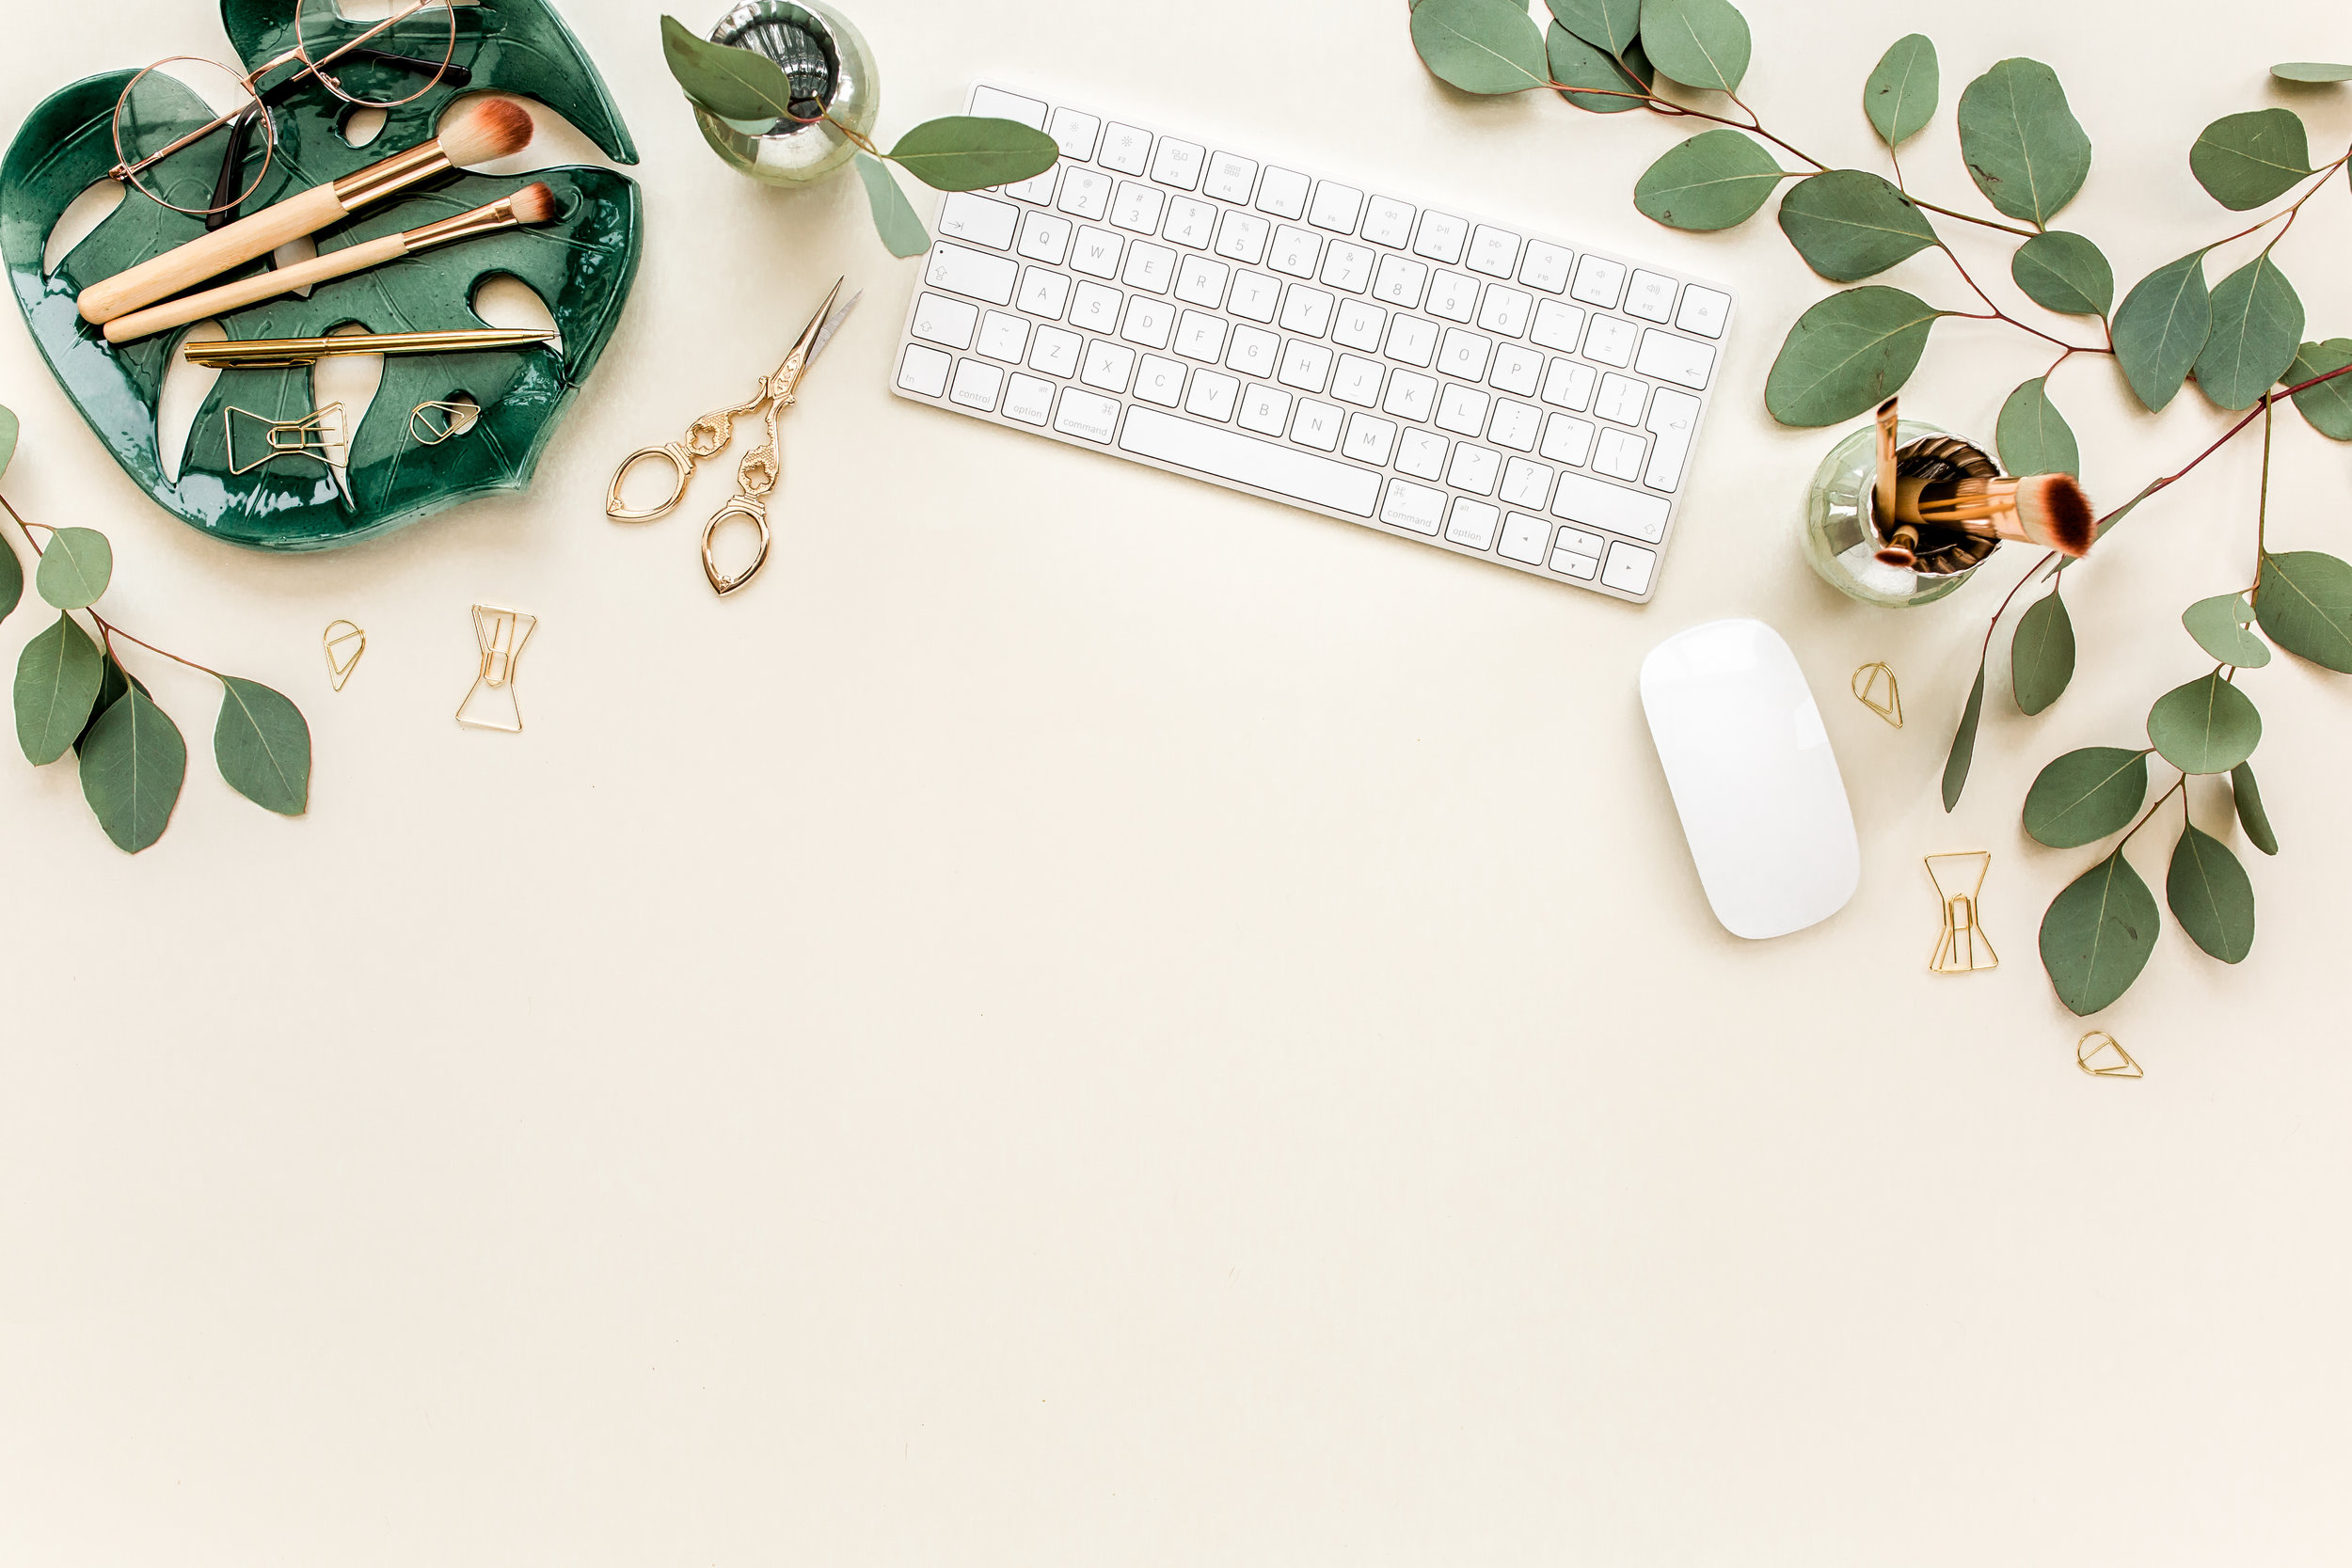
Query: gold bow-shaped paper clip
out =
(501, 634)
(318, 434)
(1958, 878)
(1867, 685)
(2099, 1055)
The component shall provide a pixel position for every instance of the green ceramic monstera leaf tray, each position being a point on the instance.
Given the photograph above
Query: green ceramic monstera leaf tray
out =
(581, 265)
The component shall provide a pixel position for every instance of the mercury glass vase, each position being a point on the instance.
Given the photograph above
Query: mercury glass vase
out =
(1839, 540)
(817, 47)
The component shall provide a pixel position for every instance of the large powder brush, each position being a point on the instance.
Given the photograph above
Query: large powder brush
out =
(2049, 510)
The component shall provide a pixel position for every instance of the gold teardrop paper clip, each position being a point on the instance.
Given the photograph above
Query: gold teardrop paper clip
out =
(1962, 947)
(339, 669)
(1865, 681)
(456, 419)
(2106, 1059)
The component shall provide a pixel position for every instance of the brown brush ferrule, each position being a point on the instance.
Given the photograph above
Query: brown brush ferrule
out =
(395, 173)
(464, 226)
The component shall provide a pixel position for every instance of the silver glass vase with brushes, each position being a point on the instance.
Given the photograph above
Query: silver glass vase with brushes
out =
(830, 68)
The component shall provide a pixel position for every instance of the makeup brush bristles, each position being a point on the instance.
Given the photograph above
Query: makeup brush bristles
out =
(486, 129)
(534, 203)
(2056, 512)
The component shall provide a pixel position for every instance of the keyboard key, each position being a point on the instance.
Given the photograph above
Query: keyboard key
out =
(1703, 312)
(1525, 484)
(1045, 238)
(1347, 266)
(1399, 281)
(1160, 381)
(1515, 369)
(1306, 366)
(1421, 452)
(1253, 353)
(1255, 296)
(1441, 237)
(1567, 439)
(1037, 190)
(1504, 309)
(1572, 561)
(1178, 163)
(1610, 339)
(1028, 399)
(1335, 207)
(1085, 194)
(1230, 177)
(1575, 541)
(1213, 396)
(1618, 454)
(1358, 325)
(1524, 538)
(1544, 267)
(1411, 340)
(995, 104)
(982, 220)
(1452, 295)
(1136, 208)
(1084, 414)
(1055, 352)
(1243, 236)
(1465, 354)
(1629, 567)
(1569, 385)
(1073, 132)
(1044, 294)
(1493, 250)
(1676, 359)
(941, 320)
(1413, 506)
(924, 370)
(1148, 321)
(1003, 337)
(1514, 425)
(1107, 365)
(1557, 326)
(1410, 395)
(1261, 465)
(1596, 503)
(1150, 268)
(1282, 192)
(1189, 223)
(974, 274)
(1389, 221)
(1473, 468)
(1265, 409)
(1462, 410)
(1472, 524)
(1650, 297)
(977, 385)
(1598, 281)
(1201, 336)
(1096, 252)
(1126, 149)
(1370, 438)
(1095, 307)
(1621, 399)
(1358, 380)
(1294, 251)
(1673, 416)
(1316, 424)
(1201, 281)
(1306, 310)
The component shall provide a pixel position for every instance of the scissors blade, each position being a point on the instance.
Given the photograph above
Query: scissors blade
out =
(832, 324)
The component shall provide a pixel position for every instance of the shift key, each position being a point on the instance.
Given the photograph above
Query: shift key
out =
(970, 274)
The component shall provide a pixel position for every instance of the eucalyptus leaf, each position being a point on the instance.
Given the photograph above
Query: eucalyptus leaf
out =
(261, 745)
(901, 231)
(1715, 179)
(970, 153)
(132, 768)
(1483, 46)
(2328, 405)
(1850, 223)
(2065, 273)
(7, 438)
(1846, 354)
(75, 569)
(2161, 327)
(2097, 935)
(2033, 436)
(57, 676)
(113, 681)
(2042, 655)
(2024, 149)
(1617, 86)
(2248, 159)
(11, 579)
(2086, 794)
(1964, 752)
(2311, 70)
(1700, 43)
(2303, 599)
(1607, 25)
(2210, 895)
(2251, 816)
(2257, 324)
(2219, 623)
(733, 84)
(1899, 96)
(2205, 726)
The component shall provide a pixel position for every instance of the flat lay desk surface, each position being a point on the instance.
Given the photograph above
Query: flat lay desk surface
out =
(1089, 1019)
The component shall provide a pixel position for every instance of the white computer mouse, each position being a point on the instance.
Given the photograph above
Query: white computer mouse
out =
(1754, 779)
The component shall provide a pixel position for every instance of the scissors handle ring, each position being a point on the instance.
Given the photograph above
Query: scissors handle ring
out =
(753, 510)
(681, 463)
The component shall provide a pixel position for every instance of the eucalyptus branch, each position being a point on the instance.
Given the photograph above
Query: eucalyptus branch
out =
(107, 630)
(2179, 787)
(1999, 314)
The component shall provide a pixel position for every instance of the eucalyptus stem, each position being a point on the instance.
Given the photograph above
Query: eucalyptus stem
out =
(1999, 314)
(2262, 510)
(2179, 787)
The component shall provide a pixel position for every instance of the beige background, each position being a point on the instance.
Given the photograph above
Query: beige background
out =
(1086, 1018)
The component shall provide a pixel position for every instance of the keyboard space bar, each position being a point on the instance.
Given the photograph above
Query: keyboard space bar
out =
(1263, 465)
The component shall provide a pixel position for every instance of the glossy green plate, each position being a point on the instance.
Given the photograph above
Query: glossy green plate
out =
(581, 265)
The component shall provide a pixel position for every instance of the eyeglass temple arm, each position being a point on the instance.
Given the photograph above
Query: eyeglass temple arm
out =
(225, 187)
(454, 74)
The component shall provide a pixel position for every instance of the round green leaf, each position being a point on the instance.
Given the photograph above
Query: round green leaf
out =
(2327, 405)
(1577, 64)
(2206, 726)
(57, 676)
(2041, 655)
(1713, 180)
(7, 438)
(1850, 223)
(1846, 354)
(2024, 149)
(970, 153)
(2084, 795)
(1964, 752)
(2250, 814)
(2210, 895)
(2303, 599)
(1899, 96)
(2311, 70)
(1607, 25)
(902, 233)
(1700, 43)
(2257, 322)
(2065, 273)
(1483, 46)
(733, 84)
(2033, 436)
(11, 580)
(2246, 160)
(132, 768)
(113, 681)
(2160, 328)
(75, 569)
(2219, 623)
(261, 744)
(2098, 933)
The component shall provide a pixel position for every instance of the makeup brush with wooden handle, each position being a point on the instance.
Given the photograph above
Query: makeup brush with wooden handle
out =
(534, 203)
(2049, 510)
(486, 129)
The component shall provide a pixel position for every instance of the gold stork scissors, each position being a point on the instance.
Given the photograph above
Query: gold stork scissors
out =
(755, 475)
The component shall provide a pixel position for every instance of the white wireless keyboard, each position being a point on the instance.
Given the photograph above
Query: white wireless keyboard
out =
(1410, 368)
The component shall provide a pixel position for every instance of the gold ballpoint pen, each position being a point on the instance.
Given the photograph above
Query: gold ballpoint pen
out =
(261, 353)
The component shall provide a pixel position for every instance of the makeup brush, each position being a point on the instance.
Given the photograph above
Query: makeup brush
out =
(1887, 459)
(479, 131)
(2049, 510)
(534, 203)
